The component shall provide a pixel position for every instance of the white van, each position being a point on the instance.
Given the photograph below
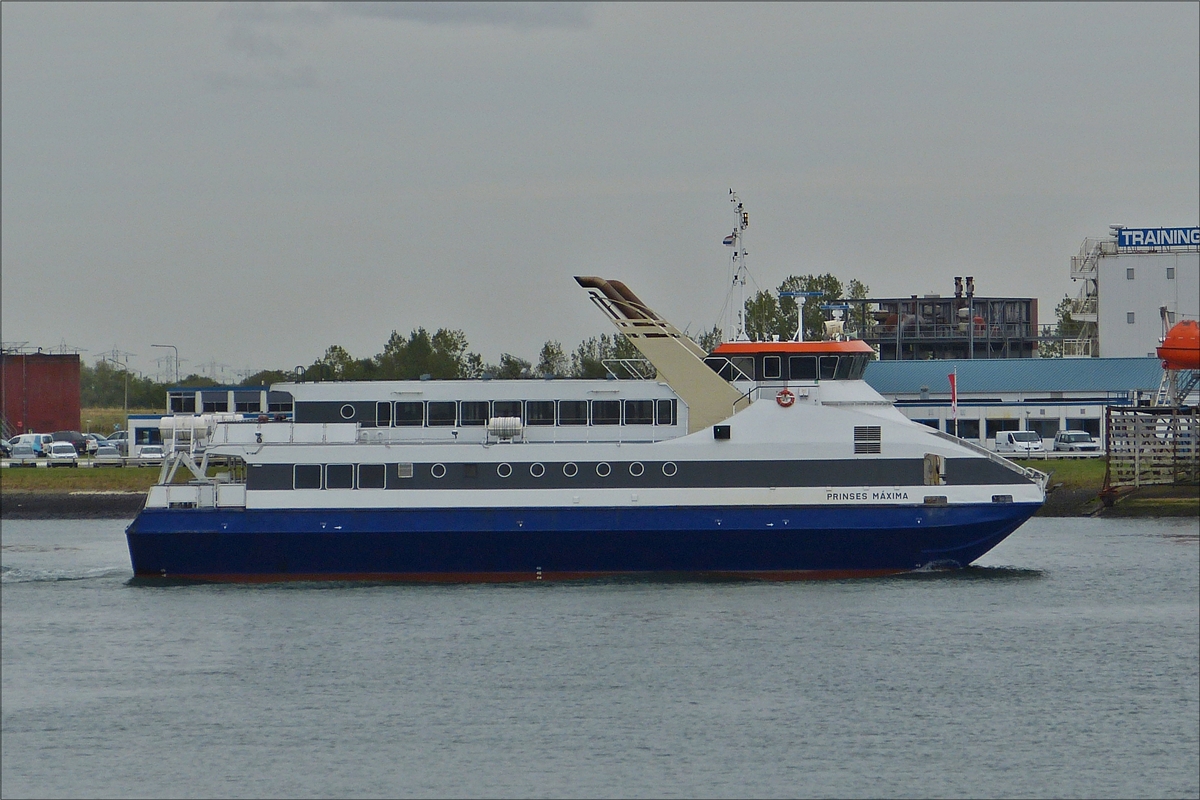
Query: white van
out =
(40, 442)
(1018, 442)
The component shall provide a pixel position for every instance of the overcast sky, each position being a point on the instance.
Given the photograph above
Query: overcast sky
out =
(255, 183)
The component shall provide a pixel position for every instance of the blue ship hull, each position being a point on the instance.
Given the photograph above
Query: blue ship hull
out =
(556, 543)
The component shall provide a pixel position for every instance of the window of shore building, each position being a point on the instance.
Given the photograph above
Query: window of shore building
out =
(995, 426)
(967, 428)
(1045, 428)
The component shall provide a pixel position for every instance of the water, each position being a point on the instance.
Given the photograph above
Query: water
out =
(1067, 666)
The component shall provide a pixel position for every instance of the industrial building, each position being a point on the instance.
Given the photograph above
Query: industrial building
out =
(1126, 280)
(39, 392)
(935, 327)
(1045, 395)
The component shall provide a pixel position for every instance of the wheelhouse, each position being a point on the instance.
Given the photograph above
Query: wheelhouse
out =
(791, 361)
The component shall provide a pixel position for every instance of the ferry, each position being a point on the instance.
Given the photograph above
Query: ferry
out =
(767, 460)
(770, 460)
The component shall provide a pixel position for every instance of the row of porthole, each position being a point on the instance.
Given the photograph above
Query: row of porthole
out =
(570, 469)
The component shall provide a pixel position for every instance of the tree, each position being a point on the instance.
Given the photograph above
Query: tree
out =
(552, 361)
(767, 316)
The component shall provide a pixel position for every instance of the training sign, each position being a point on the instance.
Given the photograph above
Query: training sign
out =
(1158, 237)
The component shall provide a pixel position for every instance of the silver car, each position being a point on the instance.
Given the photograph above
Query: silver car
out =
(150, 454)
(107, 455)
(1075, 442)
(63, 454)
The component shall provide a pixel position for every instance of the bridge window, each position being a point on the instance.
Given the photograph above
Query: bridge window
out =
(307, 476)
(828, 367)
(371, 476)
(666, 412)
(442, 414)
(409, 414)
(473, 412)
(339, 476)
(802, 368)
(606, 412)
(572, 412)
(539, 412)
(506, 408)
(772, 367)
(639, 412)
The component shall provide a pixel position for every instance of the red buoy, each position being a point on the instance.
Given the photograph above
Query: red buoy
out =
(1181, 348)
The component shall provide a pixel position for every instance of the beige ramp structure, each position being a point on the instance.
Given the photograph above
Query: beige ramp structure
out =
(679, 361)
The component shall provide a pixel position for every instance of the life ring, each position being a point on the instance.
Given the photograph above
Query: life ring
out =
(785, 398)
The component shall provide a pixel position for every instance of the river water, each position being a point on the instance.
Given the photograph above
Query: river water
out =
(1066, 664)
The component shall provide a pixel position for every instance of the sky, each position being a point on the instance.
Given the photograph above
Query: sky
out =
(254, 183)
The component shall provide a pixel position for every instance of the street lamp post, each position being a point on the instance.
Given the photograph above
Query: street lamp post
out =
(176, 349)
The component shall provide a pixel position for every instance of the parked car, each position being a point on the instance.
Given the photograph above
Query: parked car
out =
(95, 441)
(1018, 442)
(76, 439)
(62, 454)
(120, 440)
(150, 454)
(1075, 442)
(107, 455)
(23, 456)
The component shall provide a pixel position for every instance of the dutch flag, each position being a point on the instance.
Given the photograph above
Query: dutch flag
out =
(728, 241)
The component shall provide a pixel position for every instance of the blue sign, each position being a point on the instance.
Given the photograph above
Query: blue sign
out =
(1158, 238)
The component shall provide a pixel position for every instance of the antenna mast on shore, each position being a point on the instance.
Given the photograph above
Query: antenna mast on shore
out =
(737, 263)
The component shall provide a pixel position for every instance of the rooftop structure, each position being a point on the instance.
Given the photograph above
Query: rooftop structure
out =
(935, 327)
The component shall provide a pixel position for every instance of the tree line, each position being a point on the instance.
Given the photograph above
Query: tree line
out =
(446, 355)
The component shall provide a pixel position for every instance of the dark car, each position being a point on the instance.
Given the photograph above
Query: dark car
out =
(75, 438)
(5, 448)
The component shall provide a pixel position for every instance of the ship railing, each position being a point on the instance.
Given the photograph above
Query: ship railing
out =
(1035, 475)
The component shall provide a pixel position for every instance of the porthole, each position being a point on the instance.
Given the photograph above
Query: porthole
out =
(570, 470)
(636, 469)
(670, 469)
(603, 469)
(537, 470)
(504, 470)
(438, 470)
(347, 411)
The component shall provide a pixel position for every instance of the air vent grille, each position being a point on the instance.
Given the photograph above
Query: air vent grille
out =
(867, 439)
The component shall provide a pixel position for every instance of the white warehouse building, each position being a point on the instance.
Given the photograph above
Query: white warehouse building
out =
(1126, 280)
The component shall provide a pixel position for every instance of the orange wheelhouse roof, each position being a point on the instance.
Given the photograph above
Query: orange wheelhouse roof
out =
(792, 348)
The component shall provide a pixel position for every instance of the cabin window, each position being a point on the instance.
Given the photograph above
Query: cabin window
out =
(772, 367)
(307, 476)
(802, 368)
(828, 367)
(442, 414)
(473, 412)
(606, 412)
(539, 412)
(371, 476)
(339, 476)
(666, 412)
(844, 368)
(506, 408)
(383, 415)
(572, 412)
(409, 414)
(1170, 273)
(639, 412)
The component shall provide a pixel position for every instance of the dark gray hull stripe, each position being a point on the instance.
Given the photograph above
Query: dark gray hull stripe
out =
(687, 474)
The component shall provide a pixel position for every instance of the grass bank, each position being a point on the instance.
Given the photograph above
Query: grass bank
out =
(105, 420)
(63, 480)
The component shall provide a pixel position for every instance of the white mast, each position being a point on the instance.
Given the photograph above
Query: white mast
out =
(737, 263)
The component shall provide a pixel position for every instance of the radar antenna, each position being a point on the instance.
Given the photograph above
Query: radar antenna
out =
(737, 264)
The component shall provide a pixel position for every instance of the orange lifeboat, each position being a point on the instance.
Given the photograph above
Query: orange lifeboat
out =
(1181, 348)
